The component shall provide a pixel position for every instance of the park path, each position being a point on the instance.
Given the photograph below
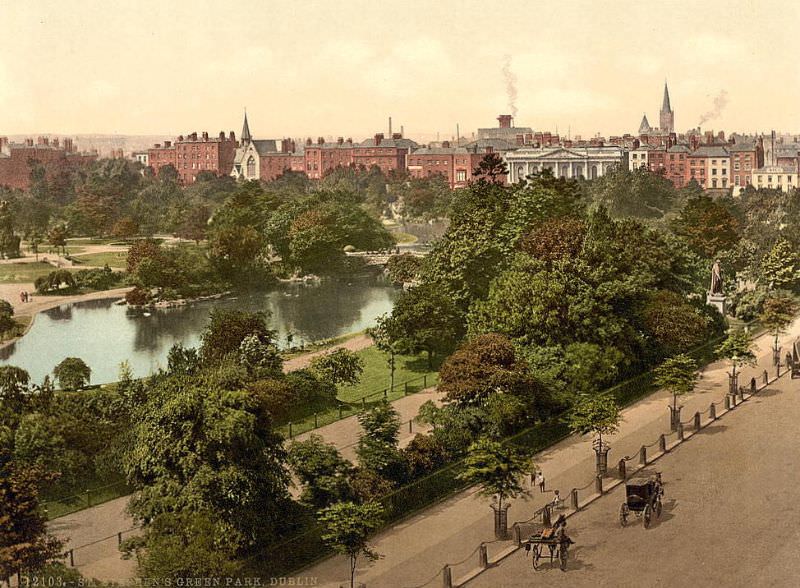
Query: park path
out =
(416, 549)
(360, 341)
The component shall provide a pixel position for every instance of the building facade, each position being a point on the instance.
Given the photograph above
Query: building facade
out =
(455, 164)
(193, 155)
(776, 177)
(17, 160)
(584, 162)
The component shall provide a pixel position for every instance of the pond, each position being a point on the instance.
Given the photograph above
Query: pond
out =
(104, 334)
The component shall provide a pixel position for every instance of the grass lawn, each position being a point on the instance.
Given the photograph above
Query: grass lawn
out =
(405, 238)
(114, 259)
(13, 273)
(97, 494)
(411, 375)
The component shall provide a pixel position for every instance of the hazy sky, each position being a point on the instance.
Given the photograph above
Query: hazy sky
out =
(340, 67)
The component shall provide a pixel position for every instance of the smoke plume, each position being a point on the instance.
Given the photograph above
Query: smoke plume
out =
(511, 85)
(719, 103)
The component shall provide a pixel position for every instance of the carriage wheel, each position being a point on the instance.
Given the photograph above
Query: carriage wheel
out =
(552, 553)
(562, 557)
(535, 556)
(623, 515)
(648, 511)
(658, 508)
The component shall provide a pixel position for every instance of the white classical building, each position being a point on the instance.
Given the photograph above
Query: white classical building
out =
(573, 162)
(779, 177)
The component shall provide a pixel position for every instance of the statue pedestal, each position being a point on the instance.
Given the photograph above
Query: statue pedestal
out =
(718, 301)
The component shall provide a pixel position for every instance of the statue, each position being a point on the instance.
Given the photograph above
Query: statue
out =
(716, 278)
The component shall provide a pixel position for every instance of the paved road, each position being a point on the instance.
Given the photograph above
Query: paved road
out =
(730, 517)
(417, 548)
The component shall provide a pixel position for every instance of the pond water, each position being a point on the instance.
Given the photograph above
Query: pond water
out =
(104, 334)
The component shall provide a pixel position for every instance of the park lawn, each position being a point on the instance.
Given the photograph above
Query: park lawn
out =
(16, 273)
(98, 492)
(404, 238)
(411, 375)
(114, 259)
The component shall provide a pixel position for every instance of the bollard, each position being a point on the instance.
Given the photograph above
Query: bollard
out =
(741, 393)
(447, 577)
(712, 412)
(753, 386)
(340, 412)
(546, 516)
(778, 370)
(119, 538)
(364, 402)
(766, 377)
(643, 455)
(88, 498)
(697, 421)
(405, 389)
(71, 558)
(316, 422)
(727, 402)
(409, 425)
(425, 381)
(483, 556)
(573, 499)
(517, 535)
(290, 429)
(598, 484)
(662, 443)
(680, 431)
(623, 474)
(385, 394)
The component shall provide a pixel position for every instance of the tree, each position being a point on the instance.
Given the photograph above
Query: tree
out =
(72, 373)
(228, 328)
(426, 320)
(24, 542)
(597, 414)
(492, 168)
(377, 444)
(678, 374)
(125, 228)
(707, 225)
(341, 366)
(57, 237)
(6, 316)
(556, 239)
(14, 393)
(637, 193)
(346, 529)
(778, 313)
(780, 268)
(261, 359)
(140, 250)
(676, 324)
(198, 448)
(323, 472)
(385, 336)
(498, 470)
(481, 367)
(403, 268)
(9, 241)
(737, 349)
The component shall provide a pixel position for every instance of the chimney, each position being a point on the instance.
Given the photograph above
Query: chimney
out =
(205, 136)
(505, 121)
(47, 140)
(390, 126)
(180, 138)
(446, 144)
(488, 149)
(222, 135)
(167, 143)
(349, 141)
(232, 136)
(378, 138)
(340, 141)
(55, 142)
(397, 136)
(309, 141)
(68, 146)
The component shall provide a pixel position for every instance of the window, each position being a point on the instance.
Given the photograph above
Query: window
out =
(714, 183)
(461, 176)
(736, 180)
(736, 166)
(724, 172)
(714, 171)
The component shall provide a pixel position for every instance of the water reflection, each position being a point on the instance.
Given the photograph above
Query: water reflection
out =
(104, 334)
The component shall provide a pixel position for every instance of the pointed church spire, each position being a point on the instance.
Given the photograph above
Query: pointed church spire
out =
(246, 138)
(665, 106)
(644, 127)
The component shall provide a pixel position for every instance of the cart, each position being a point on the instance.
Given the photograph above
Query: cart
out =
(551, 540)
(643, 498)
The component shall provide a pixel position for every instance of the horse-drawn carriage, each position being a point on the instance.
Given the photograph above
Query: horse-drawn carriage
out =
(643, 498)
(553, 539)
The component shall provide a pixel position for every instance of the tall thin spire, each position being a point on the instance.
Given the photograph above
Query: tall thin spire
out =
(246, 138)
(665, 106)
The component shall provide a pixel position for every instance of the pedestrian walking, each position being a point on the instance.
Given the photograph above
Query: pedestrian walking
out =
(540, 480)
(22, 296)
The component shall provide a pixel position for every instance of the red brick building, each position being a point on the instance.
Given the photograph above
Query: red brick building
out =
(746, 157)
(387, 154)
(18, 159)
(454, 163)
(321, 157)
(192, 155)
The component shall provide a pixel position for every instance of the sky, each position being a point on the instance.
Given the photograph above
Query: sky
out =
(342, 67)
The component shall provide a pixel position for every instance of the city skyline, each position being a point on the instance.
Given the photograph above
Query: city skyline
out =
(330, 69)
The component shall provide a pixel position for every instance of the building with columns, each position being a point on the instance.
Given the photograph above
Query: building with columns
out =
(580, 162)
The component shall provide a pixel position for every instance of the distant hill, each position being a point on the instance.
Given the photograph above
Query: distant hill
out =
(104, 144)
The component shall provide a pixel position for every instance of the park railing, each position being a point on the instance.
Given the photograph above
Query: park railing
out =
(64, 505)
